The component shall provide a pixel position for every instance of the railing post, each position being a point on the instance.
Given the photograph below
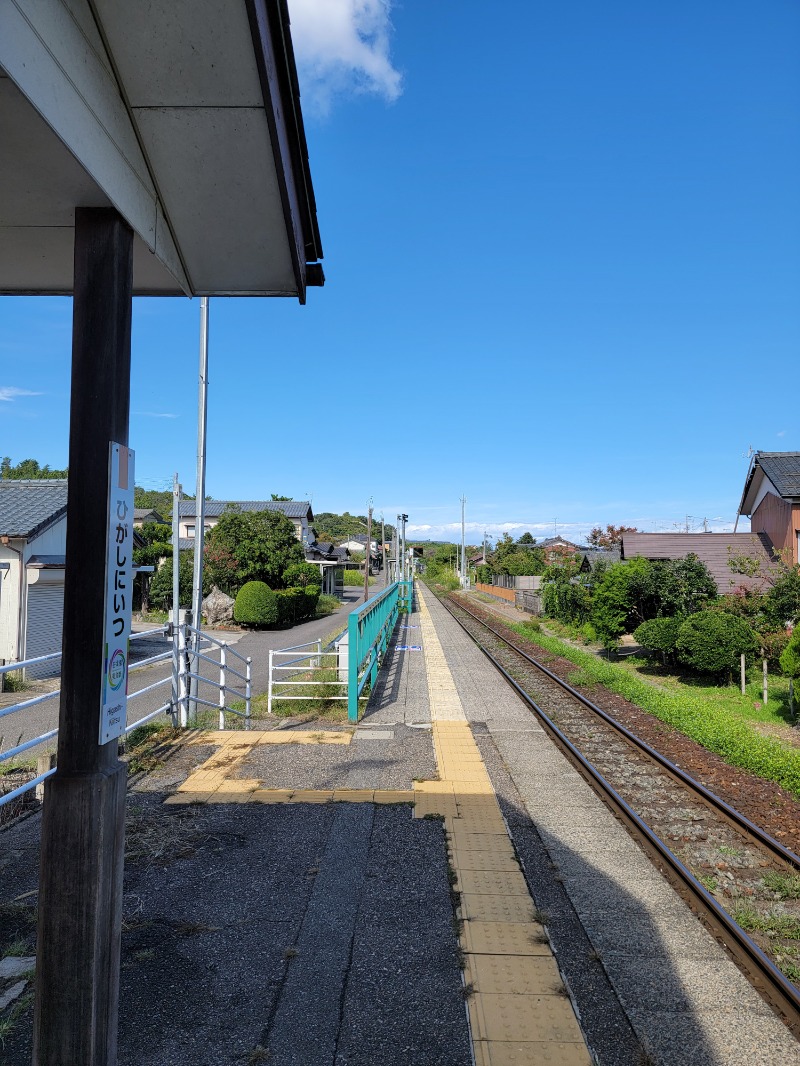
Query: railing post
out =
(247, 691)
(319, 653)
(269, 685)
(222, 664)
(353, 655)
(182, 702)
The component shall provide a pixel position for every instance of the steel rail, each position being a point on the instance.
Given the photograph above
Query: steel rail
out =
(781, 994)
(740, 821)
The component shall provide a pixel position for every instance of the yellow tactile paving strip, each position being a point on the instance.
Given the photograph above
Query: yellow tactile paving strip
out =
(518, 1011)
(212, 783)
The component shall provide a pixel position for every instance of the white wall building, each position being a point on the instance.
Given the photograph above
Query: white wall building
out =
(33, 543)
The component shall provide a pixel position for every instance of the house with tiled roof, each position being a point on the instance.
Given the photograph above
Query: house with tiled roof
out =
(33, 545)
(771, 499)
(299, 511)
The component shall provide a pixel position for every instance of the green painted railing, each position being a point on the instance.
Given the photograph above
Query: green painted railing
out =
(369, 630)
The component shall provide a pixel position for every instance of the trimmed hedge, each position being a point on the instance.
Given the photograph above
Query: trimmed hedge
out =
(715, 729)
(712, 641)
(296, 604)
(658, 634)
(256, 605)
(353, 577)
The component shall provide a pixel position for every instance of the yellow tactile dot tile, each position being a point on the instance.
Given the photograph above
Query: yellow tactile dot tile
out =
(497, 1016)
(518, 975)
(306, 736)
(434, 788)
(530, 1053)
(498, 859)
(486, 908)
(493, 882)
(192, 784)
(504, 938)
(463, 840)
(434, 805)
(223, 796)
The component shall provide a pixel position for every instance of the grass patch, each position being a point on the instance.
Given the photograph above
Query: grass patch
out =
(699, 715)
(327, 605)
(152, 836)
(786, 886)
(782, 926)
(148, 745)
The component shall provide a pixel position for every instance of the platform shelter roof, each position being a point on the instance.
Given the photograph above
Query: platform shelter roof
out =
(184, 115)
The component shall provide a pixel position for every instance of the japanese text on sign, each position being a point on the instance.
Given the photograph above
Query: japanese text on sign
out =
(118, 590)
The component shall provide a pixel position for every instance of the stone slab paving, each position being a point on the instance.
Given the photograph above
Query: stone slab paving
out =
(685, 1000)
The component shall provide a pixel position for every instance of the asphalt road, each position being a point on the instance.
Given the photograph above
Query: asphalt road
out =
(26, 724)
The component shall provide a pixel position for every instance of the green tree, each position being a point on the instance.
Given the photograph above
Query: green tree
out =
(613, 600)
(259, 546)
(161, 585)
(301, 575)
(610, 537)
(157, 546)
(28, 470)
(658, 635)
(527, 538)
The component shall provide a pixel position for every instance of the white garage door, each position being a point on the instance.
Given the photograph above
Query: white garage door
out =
(45, 614)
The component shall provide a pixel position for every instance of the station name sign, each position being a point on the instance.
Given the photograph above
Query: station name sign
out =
(118, 593)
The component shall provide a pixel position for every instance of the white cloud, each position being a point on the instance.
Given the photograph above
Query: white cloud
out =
(9, 393)
(154, 414)
(342, 46)
(781, 433)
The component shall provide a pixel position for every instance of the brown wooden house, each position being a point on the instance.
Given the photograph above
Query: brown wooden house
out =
(771, 498)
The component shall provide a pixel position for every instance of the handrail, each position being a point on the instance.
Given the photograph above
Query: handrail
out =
(369, 630)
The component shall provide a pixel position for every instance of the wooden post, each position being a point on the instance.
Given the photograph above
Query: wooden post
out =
(80, 879)
(764, 684)
(743, 672)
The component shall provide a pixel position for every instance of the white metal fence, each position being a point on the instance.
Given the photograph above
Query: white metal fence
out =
(288, 662)
(182, 704)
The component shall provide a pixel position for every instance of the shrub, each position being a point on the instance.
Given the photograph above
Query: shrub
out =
(256, 605)
(790, 659)
(712, 641)
(327, 604)
(658, 635)
(352, 577)
(774, 645)
(300, 575)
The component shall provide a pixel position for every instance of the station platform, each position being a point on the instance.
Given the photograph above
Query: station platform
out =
(435, 887)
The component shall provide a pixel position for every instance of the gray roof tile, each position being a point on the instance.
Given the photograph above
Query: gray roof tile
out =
(28, 507)
(214, 508)
(783, 470)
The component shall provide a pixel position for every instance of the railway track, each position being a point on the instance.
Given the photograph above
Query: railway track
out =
(741, 882)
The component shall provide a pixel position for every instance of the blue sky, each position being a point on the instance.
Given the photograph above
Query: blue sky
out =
(562, 244)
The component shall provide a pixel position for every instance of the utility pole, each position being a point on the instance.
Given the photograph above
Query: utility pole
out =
(484, 546)
(403, 518)
(176, 594)
(463, 547)
(368, 554)
(383, 553)
(200, 506)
